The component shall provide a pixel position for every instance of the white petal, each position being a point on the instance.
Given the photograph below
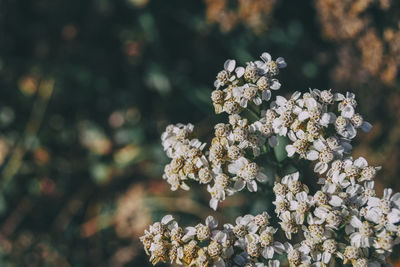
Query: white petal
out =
(166, 219)
(252, 227)
(266, 57)
(266, 95)
(190, 231)
(366, 127)
(185, 187)
(301, 197)
(373, 215)
(280, 100)
(211, 222)
(394, 216)
(326, 257)
(311, 103)
(355, 239)
(280, 61)
(338, 97)
(303, 115)
(283, 131)
(321, 167)
(279, 247)
(355, 222)
(290, 150)
(239, 71)
(348, 112)
(243, 103)
(261, 177)
(326, 119)
(387, 192)
(336, 201)
(292, 136)
(230, 65)
(257, 101)
(213, 203)
(239, 185)
(233, 168)
(373, 202)
(268, 252)
(252, 186)
(361, 162)
(312, 155)
(319, 145)
(275, 85)
(396, 199)
(295, 176)
(351, 131)
(296, 95)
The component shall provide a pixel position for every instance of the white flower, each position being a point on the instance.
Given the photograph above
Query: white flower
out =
(244, 94)
(293, 184)
(174, 135)
(316, 112)
(244, 225)
(388, 205)
(332, 218)
(266, 240)
(345, 128)
(364, 236)
(217, 195)
(295, 256)
(324, 96)
(289, 224)
(325, 152)
(383, 242)
(225, 76)
(365, 192)
(265, 128)
(368, 172)
(246, 173)
(330, 247)
(286, 109)
(347, 104)
(300, 204)
(265, 85)
(300, 144)
(269, 67)
(203, 232)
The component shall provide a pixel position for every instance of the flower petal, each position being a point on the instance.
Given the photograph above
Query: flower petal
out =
(229, 65)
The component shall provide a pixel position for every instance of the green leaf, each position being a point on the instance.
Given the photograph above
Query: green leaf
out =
(269, 170)
(280, 149)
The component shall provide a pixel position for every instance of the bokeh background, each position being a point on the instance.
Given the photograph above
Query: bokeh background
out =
(87, 87)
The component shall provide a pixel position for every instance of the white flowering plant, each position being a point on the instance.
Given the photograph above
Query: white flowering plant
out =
(343, 222)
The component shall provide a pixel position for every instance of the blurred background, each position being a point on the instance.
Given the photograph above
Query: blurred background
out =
(87, 88)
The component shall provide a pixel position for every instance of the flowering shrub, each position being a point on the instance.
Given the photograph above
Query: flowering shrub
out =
(343, 222)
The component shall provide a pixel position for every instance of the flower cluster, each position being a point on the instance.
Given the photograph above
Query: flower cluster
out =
(188, 160)
(342, 221)
(319, 124)
(234, 147)
(248, 243)
(243, 85)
